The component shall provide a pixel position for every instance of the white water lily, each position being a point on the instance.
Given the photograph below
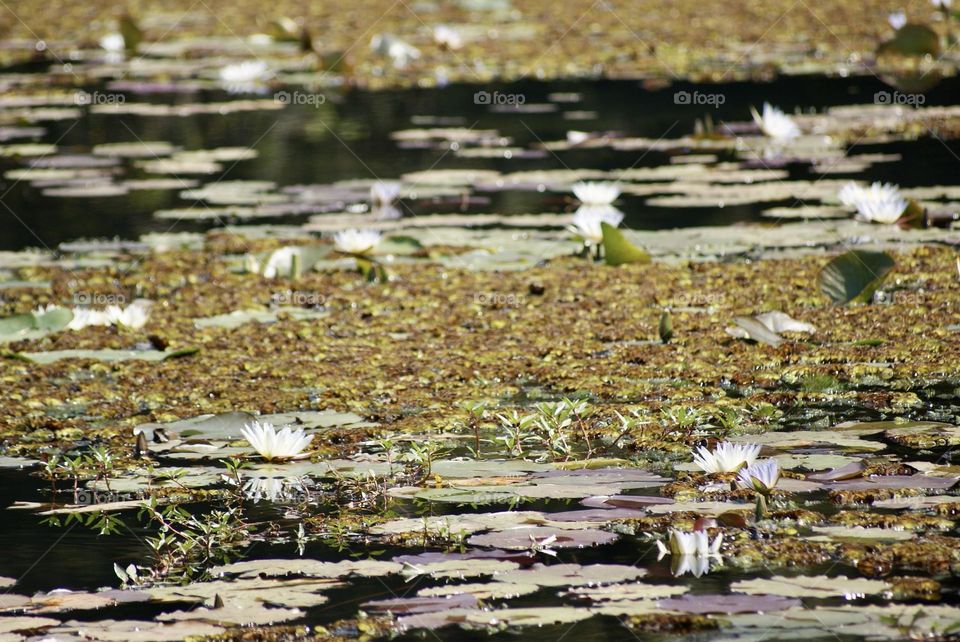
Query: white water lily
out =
(113, 43)
(280, 262)
(596, 192)
(775, 124)
(246, 76)
(397, 50)
(356, 241)
(761, 476)
(276, 444)
(447, 37)
(134, 315)
(879, 203)
(587, 220)
(695, 544)
(897, 20)
(726, 458)
(384, 193)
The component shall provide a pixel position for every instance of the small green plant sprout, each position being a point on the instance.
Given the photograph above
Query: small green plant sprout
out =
(665, 327)
(476, 413)
(128, 576)
(423, 454)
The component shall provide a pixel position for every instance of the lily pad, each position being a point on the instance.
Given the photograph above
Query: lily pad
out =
(855, 275)
(617, 250)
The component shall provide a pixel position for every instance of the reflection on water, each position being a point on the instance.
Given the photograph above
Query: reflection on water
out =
(348, 137)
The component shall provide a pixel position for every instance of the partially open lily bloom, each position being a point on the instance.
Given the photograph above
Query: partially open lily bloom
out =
(276, 444)
(244, 76)
(400, 52)
(879, 203)
(726, 458)
(695, 544)
(113, 43)
(280, 262)
(761, 476)
(596, 193)
(775, 124)
(587, 220)
(356, 241)
(134, 315)
(897, 20)
(447, 37)
(384, 193)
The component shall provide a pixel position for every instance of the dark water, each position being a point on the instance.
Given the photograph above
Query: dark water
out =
(348, 138)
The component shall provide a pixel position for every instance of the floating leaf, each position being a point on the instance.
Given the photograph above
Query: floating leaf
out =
(855, 275)
(703, 604)
(819, 586)
(617, 250)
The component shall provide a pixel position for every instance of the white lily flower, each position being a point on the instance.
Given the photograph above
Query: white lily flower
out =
(587, 220)
(246, 76)
(397, 50)
(726, 458)
(761, 476)
(695, 544)
(274, 443)
(447, 37)
(280, 262)
(133, 316)
(775, 124)
(897, 20)
(356, 241)
(596, 192)
(879, 203)
(384, 193)
(85, 317)
(115, 46)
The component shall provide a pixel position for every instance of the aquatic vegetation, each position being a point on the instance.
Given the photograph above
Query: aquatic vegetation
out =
(761, 476)
(276, 443)
(246, 76)
(776, 124)
(726, 457)
(357, 241)
(880, 203)
(587, 220)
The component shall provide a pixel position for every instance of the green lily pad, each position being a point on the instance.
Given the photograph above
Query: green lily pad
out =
(617, 250)
(855, 275)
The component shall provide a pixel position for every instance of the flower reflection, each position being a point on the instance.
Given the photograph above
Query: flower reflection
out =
(275, 489)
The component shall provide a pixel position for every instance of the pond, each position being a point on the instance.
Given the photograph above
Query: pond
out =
(728, 412)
